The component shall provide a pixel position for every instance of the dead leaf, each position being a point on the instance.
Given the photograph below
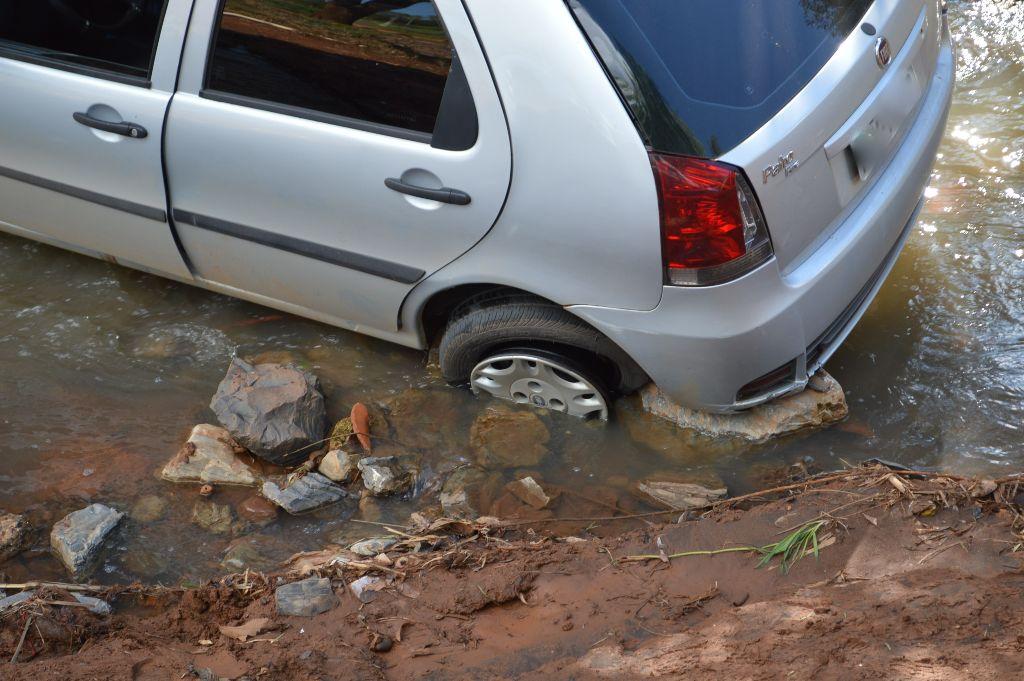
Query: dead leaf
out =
(361, 425)
(205, 642)
(871, 519)
(248, 630)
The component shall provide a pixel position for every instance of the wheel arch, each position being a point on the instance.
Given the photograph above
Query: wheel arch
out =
(436, 310)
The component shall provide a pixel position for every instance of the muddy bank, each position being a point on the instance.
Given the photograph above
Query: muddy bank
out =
(917, 576)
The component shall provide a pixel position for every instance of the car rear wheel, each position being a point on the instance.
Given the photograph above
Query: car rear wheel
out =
(530, 351)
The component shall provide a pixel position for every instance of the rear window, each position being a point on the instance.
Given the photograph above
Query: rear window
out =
(700, 76)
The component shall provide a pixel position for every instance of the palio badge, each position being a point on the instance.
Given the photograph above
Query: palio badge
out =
(787, 165)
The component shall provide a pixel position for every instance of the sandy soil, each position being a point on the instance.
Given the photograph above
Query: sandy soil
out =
(891, 596)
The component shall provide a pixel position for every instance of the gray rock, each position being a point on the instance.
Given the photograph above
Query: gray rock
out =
(528, 491)
(78, 537)
(681, 496)
(373, 547)
(11, 601)
(817, 408)
(213, 517)
(383, 475)
(275, 411)
(209, 456)
(340, 466)
(96, 606)
(306, 598)
(309, 492)
(14, 535)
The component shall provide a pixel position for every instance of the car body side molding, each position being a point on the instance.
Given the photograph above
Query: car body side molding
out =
(139, 209)
(335, 256)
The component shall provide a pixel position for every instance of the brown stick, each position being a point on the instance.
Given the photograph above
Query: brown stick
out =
(24, 634)
(56, 585)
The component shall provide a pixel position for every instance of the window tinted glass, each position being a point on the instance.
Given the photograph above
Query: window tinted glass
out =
(381, 61)
(112, 35)
(702, 75)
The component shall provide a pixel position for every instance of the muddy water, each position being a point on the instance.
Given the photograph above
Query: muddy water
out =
(103, 370)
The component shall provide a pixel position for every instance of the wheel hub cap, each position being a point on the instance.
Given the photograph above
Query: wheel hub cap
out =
(538, 381)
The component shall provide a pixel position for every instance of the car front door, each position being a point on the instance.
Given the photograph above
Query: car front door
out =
(324, 157)
(84, 89)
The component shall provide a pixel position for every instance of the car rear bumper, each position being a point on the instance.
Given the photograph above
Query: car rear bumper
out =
(703, 346)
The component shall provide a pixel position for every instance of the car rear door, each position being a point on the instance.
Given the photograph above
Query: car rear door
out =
(82, 104)
(324, 157)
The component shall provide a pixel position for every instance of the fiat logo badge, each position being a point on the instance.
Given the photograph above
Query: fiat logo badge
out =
(883, 52)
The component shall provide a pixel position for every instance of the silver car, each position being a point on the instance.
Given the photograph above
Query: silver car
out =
(568, 197)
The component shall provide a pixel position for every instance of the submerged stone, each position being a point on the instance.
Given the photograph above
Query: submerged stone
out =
(306, 598)
(213, 517)
(813, 408)
(149, 509)
(275, 411)
(309, 492)
(78, 536)
(509, 438)
(209, 456)
(529, 491)
(258, 510)
(681, 496)
(14, 535)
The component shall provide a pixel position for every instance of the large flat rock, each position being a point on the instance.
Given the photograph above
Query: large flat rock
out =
(810, 409)
(78, 537)
(307, 598)
(209, 456)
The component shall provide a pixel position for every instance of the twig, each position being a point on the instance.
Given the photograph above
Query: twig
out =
(56, 585)
(24, 633)
(684, 554)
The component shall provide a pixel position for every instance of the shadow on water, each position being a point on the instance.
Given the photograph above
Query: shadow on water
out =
(103, 370)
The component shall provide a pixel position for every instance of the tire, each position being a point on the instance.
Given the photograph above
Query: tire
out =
(489, 324)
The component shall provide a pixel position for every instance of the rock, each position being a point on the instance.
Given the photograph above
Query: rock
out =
(275, 411)
(213, 517)
(11, 601)
(383, 475)
(340, 466)
(681, 496)
(94, 605)
(372, 547)
(78, 537)
(306, 598)
(529, 492)
(257, 510)
(982, 488)
(309, 492)
(149, 509)
(371, 508)
(427, 419)
(508, 438)
(141, 562)
(365, 588)
(244, 554)
(210, 456)
(14, 535)
(469, 492)
(803, 411)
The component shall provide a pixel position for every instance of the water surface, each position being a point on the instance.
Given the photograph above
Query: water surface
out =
(103, 370)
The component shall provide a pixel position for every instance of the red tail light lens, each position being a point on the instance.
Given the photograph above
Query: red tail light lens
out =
(711, 228)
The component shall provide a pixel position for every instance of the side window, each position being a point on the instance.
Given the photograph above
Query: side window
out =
(114, 37)
(379, 61)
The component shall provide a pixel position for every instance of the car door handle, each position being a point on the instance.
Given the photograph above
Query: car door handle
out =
(133, 130)
(444, 194)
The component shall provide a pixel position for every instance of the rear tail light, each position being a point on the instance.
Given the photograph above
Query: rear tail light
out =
(711, 227)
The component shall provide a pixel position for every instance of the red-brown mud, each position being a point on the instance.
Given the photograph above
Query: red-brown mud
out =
(890, 596)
